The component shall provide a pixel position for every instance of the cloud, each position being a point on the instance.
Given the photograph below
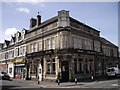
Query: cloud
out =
(33, 1)
(10, 31)
(25, 10)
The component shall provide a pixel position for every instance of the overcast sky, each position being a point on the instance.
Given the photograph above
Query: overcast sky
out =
(100, 15)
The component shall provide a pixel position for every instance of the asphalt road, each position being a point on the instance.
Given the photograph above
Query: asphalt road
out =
(17, 85)
(111, 84)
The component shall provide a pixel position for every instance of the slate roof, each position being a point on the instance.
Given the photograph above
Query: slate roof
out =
(105, 41)
(51, 20)
(84, 24)
(7, 42)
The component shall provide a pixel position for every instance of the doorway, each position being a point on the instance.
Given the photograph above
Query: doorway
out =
(64, 71)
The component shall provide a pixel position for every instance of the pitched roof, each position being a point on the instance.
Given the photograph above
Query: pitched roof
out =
(7, 42)
(13, 38)
(105, 41)
(53, 19)
(84, 24)
(12, 41)
(1, 45)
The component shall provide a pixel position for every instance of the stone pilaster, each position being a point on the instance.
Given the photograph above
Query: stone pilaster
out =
(45, 67)
(73, 67)
(57, 65)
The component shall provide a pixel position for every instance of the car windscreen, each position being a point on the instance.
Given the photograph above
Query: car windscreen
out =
(108, 70)
(111, 70)
(3, 72)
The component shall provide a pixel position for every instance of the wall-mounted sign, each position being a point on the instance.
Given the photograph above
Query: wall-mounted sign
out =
(63, 68)
(20, 60)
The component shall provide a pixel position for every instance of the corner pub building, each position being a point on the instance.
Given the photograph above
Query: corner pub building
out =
(58, 47)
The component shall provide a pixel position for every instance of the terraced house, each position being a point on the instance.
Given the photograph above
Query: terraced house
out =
(58, 47)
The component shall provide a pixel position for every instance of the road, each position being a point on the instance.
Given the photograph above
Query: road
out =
(19, 85)
(30, 85)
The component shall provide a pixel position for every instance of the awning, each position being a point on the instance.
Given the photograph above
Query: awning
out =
(20, 60)
(2, 63)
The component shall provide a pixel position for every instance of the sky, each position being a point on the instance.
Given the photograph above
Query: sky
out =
(102, 16)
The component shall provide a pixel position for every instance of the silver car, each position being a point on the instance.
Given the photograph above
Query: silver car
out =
(113, 71)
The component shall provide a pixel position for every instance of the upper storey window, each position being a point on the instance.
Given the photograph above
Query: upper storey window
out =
(53, 42)
(97, 46)
(17, 36)
(63, 41)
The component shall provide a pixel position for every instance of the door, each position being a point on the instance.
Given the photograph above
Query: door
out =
(64, 71)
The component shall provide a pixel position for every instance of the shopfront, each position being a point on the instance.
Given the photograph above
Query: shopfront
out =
(19, 69)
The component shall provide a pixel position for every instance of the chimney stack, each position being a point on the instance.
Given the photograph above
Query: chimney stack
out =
(32, 22)
(35, 21)
(38, 19)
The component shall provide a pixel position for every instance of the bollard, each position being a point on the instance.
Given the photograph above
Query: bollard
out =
(38, 80)
(58, 81)
(92, 78)
(76, 81)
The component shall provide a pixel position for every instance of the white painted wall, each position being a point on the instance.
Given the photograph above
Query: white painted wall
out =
(40, 72)
(11, 72)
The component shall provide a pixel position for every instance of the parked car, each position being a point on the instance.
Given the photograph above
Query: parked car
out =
(113, 71)
(4, 76)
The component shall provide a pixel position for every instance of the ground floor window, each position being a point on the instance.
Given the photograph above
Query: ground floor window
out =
(81, 66)
(75, 66)
(50, 66)
(33, 68)
(78, 66)
(10, 70)
(17, 70)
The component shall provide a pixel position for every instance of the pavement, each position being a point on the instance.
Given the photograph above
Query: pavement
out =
(50, 84)
(20, 84)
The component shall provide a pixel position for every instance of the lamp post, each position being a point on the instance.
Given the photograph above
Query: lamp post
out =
(40, 67)
(27, 67)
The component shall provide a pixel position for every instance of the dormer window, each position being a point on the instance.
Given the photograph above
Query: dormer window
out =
(18, 36)
(23, 34)
(12, 40)
(6, 43)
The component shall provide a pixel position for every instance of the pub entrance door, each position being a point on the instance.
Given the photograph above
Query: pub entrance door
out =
(64, 71)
